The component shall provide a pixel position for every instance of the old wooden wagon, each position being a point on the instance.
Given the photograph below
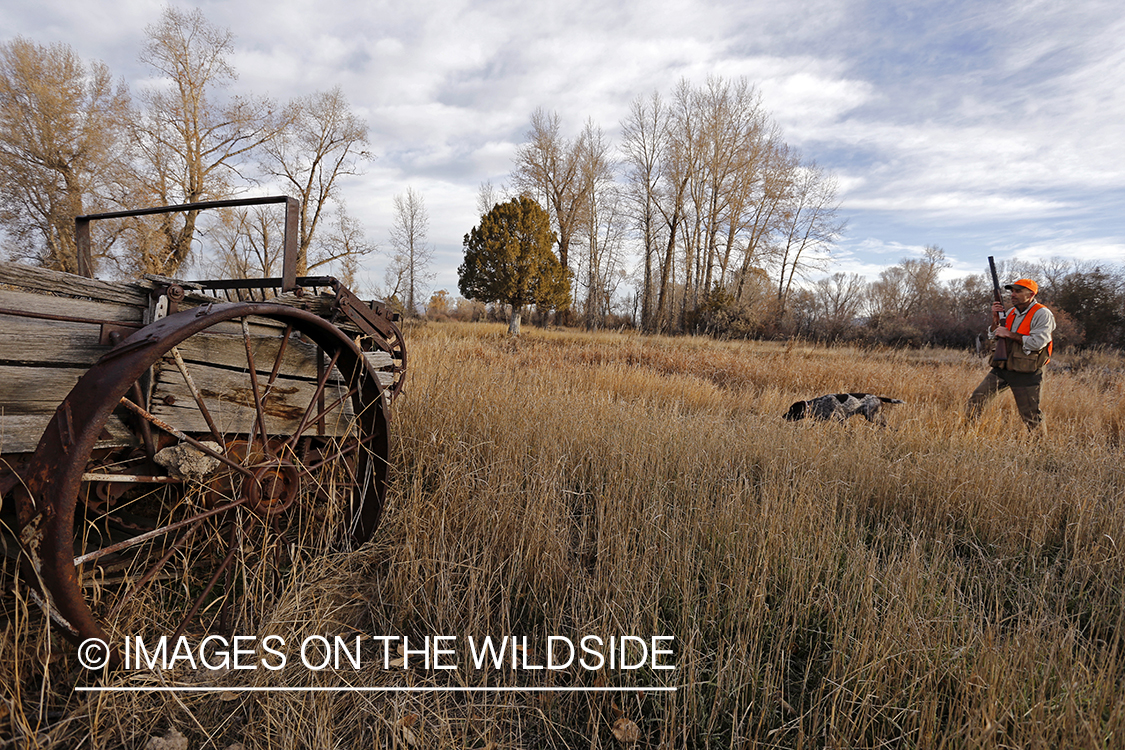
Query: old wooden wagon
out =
(172, 453)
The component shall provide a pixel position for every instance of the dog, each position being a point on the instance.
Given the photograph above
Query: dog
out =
(840, 406)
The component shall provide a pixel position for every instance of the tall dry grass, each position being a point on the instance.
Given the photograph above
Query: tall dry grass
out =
(931, 584)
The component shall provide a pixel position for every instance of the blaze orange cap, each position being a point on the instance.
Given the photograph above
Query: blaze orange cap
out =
(1026, 283)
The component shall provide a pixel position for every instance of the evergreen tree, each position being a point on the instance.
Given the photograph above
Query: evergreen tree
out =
(508, 259)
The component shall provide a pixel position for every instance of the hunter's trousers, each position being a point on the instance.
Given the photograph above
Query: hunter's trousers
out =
(1026, 395)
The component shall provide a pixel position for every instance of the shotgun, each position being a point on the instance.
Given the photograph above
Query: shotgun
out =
(1001, 353)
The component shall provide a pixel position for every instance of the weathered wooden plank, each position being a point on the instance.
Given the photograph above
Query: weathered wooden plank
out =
(20, 433)
(47, 304)
(49, 342)
(29, 397)
(229, 397)
(379, 359)
(35, 390)
(229, 350)
(58, 282)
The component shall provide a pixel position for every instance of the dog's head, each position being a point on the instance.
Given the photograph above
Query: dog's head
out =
(797, 411)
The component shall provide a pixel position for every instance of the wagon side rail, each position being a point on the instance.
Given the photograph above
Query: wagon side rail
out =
(289, 258)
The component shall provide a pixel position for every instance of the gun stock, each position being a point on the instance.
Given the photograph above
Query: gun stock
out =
(1001, 352)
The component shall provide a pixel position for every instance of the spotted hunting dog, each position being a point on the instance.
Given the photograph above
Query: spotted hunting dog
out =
(840, 406)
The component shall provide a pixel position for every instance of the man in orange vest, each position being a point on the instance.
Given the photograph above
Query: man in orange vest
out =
(1027, 330)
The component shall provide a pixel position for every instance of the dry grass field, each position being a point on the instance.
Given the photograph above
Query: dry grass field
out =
(930, 584)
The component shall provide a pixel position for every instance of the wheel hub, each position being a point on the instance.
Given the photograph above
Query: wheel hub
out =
(274, 487)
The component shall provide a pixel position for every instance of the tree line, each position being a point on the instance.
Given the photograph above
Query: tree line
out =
(734, 229)
(909, 305)
(76, 141)
(701, 186)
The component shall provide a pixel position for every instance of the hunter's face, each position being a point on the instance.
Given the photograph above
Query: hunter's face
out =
(1021, 296)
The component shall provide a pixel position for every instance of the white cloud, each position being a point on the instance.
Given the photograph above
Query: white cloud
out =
(963, 124)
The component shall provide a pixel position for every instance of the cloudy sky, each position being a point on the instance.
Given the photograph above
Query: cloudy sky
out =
(987, 128)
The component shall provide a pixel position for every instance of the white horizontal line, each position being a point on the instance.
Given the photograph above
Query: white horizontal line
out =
(360, 689)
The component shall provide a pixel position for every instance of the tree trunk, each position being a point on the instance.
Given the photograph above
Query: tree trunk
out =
(514, 322)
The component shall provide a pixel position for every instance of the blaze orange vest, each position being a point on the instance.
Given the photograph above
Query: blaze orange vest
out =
(1025, 326)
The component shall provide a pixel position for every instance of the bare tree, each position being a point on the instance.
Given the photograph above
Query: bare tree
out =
(488, 195)
(810, 226)
(888, 297)
(903, 291)
(734, 137)
(191, 141)
(643, 143)
(681, 162)
(712, 194)
(412, 254)
(763, 212)
(548, 168)
(62, 154)
(836, 302)
(246, 243)
(322, 142)
(342, 245)
(602, 229)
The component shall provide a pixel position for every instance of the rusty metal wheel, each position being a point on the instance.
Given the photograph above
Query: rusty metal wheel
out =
(261, 444)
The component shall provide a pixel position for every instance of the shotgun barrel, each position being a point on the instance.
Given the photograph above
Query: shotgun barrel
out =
(1001, 352)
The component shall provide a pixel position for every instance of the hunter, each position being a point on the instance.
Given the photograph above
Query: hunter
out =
(1026, 329)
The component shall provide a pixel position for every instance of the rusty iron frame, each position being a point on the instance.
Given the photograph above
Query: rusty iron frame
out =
(292, 219)
(373, 319)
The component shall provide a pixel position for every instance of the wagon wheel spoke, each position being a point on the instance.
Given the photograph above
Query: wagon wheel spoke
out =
(314, 402)
(207, 450)
(196, 395)
(352, 446)
(156, 567)
(220, 569)
(252, 374)
(276, 370)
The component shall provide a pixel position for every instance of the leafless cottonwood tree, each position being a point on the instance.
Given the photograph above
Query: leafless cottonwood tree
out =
(763, 213)
(810, 224)
(548, 169)
(837, 300)
(344, 244)
(411, 254)
(717, 198)
(62, 147)
(601, 232)
(732, 137)
(643, 141)
(247, 243)
(679, 171)
(905, 289)
(250, 242)
(489, 195)
(323, 140)
(191, 139)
